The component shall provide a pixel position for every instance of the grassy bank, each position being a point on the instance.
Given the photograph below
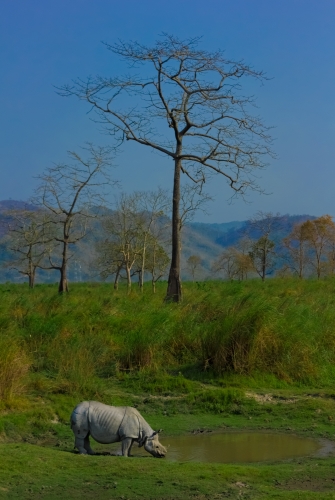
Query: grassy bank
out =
(246, 355)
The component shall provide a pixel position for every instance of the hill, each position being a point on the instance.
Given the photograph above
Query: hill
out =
(206, 240)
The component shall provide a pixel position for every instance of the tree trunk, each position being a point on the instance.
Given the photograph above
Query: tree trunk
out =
(32, 271)
(32, 278)
(128, 278)
(116, 281)
(141, 281)
(174, 293)
(63, 286)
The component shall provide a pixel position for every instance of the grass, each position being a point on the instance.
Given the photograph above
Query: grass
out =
(27, 474)
(245, 355)
(284, 328)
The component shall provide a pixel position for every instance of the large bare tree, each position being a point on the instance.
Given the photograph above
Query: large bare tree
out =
(197, 96)
(72, 193)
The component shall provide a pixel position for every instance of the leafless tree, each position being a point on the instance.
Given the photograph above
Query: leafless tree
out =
(72, 193)
(262, 227)
(136, 224)
(193, 263)
(234, 263)
(152, 208)
(123, 239)
(262, 256)
(198, 96)
(108, 260)
(296, 248)
(30, 239)
(320, 234)
(156, 262)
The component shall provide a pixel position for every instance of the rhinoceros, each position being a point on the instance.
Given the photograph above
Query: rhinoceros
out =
(109, 424)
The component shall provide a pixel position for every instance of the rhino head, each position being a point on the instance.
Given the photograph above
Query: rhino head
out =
(153, 446)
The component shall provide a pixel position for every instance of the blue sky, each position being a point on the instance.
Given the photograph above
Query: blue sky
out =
(49, 43)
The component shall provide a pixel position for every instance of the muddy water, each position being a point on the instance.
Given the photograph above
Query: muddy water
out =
(238, 447)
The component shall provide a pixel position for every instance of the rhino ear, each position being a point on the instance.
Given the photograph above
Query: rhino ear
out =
(157, 432)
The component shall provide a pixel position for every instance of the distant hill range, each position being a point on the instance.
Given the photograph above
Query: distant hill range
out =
(206, 240)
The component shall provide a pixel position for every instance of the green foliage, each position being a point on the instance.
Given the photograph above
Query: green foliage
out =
(283, 329)
(158, 383)
(215, 401)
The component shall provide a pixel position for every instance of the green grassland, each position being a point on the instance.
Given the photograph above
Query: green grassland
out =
(247, 355)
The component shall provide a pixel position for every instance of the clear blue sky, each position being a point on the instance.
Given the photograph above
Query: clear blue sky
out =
(46, 43)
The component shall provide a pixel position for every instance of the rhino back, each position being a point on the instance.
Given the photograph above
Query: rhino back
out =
(104, 421)
(133, 425)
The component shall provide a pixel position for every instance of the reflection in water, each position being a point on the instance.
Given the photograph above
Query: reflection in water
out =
(237, 447)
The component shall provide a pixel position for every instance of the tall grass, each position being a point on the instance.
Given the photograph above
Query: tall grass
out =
(14, 366)
(281, 328)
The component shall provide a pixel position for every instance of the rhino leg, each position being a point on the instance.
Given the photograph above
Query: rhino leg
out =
(126, 446)
(79, 443)
(87, 446)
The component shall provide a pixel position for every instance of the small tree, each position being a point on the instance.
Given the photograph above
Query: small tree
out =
(297, 248)
(109, 260)
(193, 263)
(262, 226)
(123, 238)
(157, 261)
(197, 96)
(152, 209)
(130, 230)
(262, 256)
(243, 260)
(234, 262)
(29, 239)
(319, 235)
(72, 194)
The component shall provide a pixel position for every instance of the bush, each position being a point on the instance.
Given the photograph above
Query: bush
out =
(215, 400)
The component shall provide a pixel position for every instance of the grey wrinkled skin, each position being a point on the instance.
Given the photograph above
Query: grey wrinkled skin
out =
(110, 424)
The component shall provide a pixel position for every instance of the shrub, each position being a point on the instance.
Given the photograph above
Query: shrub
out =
(215, 400)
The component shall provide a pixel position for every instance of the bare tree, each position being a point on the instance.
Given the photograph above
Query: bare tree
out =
(262, 256)
(198, 96)
(72, 194)
(193, 263)
(156, 262)
(123, 237)
(262, 226)
(234, 262)
(130, 230)
(29, 238)
(297, 247)
(108, 261)
(152, 207)
(244, 262)
(320, 235)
